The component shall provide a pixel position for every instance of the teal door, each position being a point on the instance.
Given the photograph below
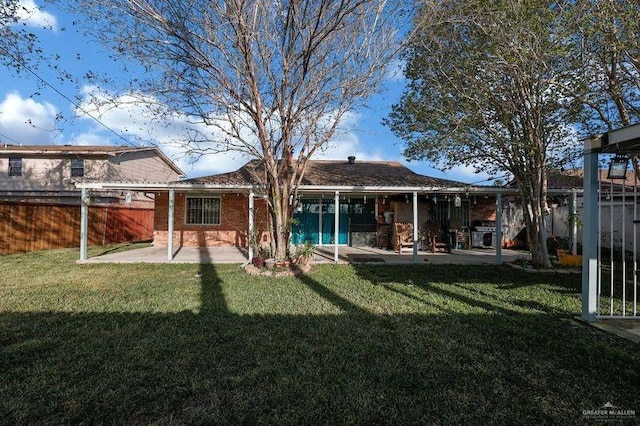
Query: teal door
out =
(329, 223)
(306, 223)
(306, 226)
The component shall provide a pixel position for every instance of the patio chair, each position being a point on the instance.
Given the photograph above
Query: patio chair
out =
(436, 241)
(403, 235)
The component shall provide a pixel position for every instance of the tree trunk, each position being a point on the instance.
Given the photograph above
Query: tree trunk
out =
(532, 204)
(280, 212)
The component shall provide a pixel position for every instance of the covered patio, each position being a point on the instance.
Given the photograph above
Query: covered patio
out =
(345, 209)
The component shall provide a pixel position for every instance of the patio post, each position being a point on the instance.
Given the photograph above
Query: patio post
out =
(172, 205)
(251, 226)
(573, 209)
(590, 234)
(336, 231)
(415, 227)
(499, 229)
(84, 223)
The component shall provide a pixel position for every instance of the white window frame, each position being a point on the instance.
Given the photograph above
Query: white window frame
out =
(202, 197)
(76, 167)
(12, 166)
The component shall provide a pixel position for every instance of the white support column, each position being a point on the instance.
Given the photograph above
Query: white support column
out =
(573, 211)
(590, 237)
(252, 235)
(320, 214)
(415, 227)
(172, 205)
(84, 223)
(336, 233)
(499, 229)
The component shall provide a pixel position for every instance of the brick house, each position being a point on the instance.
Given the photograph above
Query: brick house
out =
(355, 203)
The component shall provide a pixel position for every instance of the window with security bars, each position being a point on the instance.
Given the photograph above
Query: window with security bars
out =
(15, 166)
(77, 167)
(202, 211)
(447, 214)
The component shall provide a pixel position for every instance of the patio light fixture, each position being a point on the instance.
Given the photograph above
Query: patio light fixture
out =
(618, 167)
(457, 201)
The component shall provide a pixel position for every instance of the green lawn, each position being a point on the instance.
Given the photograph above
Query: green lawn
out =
(345, 344)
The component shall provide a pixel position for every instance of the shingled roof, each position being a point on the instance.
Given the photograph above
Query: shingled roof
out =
(336, 173)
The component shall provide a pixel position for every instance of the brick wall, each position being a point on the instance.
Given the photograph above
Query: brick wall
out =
(483, 209)
(232, 231)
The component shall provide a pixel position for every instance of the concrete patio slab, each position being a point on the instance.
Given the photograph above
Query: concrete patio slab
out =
(372, 255)
(626, 328)
(181, 255)
(358, 255)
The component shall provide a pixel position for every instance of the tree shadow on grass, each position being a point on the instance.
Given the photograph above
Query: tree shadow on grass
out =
(468, 284)
(350, 366)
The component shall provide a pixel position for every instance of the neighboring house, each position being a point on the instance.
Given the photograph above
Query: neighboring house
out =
(617, 207)
(39, 199)
(48, 173)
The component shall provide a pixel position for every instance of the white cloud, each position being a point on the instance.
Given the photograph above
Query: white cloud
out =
(346, 143)
(468, 174)
(25, 121)
(89, 139)
(33, 16)
(131, 117)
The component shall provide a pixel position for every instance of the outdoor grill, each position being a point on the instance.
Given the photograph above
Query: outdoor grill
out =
(483, 234)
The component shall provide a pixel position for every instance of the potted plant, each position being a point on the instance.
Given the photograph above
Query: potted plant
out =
(260, 257)
(304, 253)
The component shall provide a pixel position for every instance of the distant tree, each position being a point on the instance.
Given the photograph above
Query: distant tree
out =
(274, 77)
(488, 88)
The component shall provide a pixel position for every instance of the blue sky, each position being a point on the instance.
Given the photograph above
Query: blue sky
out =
(28, 110)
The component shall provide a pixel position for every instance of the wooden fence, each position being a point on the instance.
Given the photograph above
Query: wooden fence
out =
(28, 227)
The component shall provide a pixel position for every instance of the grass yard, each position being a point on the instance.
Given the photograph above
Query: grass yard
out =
(345, 344)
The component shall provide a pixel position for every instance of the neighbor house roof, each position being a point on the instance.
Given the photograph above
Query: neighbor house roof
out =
(575, 179)
(82, 150)
(337, 173)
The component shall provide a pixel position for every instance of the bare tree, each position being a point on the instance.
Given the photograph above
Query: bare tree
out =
(272, 77)
(487, 89)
